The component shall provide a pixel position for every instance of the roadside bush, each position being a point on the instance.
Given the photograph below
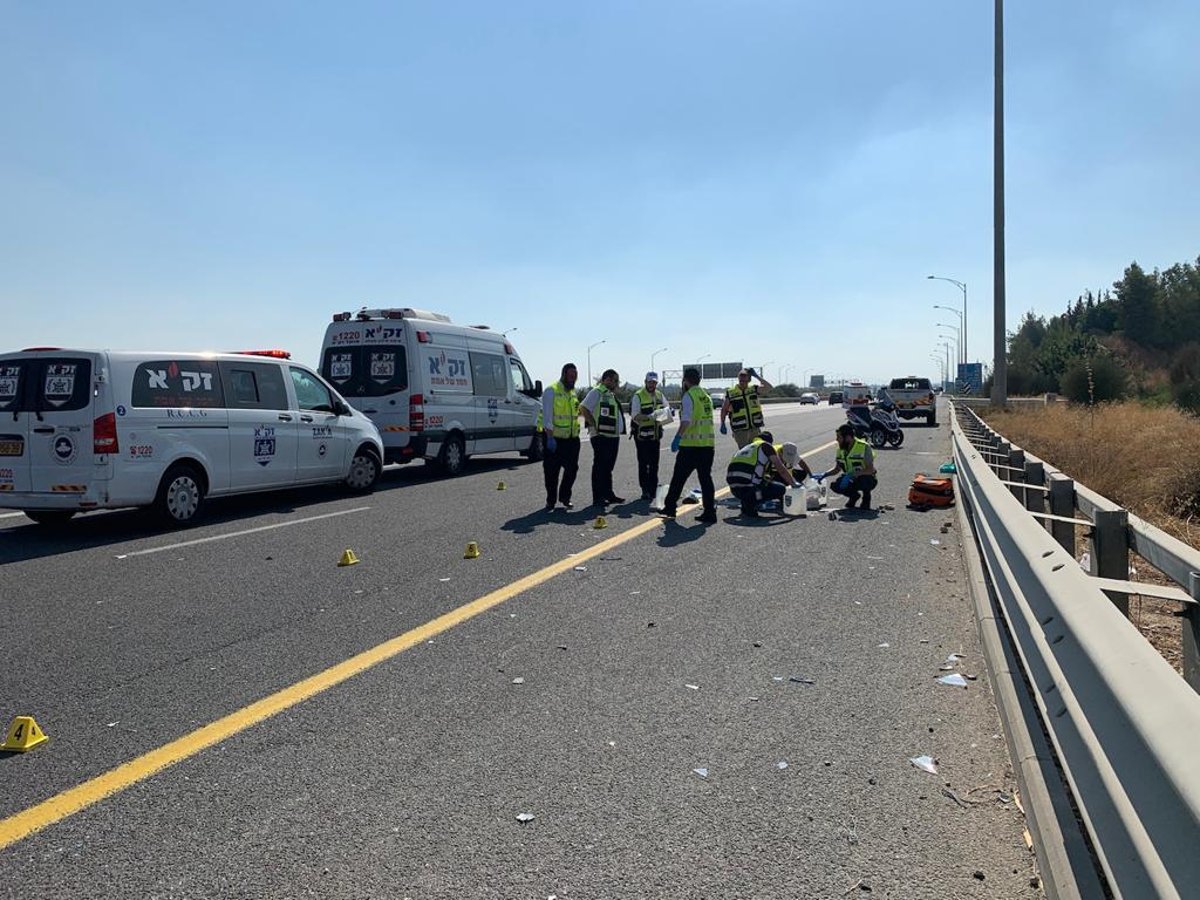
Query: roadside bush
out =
(1095, 379)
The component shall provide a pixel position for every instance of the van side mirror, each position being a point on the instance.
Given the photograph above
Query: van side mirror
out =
(537, 387)
(341, 408)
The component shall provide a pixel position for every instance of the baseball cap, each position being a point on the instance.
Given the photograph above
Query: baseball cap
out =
(790, 453)
(651, 376)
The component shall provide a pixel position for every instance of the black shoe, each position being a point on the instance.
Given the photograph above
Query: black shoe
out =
(567, 504)
(866, 500)
(852, 503)
(646, 496)
(550, 506)
(708, 517)
(615, 499)
(667, 512)
(749, 512)
(598, 504)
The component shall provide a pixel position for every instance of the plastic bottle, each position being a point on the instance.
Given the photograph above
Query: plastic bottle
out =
(660, 497)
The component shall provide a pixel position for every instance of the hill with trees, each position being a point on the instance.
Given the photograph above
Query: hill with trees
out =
(1139, 339)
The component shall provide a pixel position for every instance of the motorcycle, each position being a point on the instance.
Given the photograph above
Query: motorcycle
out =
(880, 426)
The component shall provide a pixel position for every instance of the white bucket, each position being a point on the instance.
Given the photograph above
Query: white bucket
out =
(660, 497)
(793, 500)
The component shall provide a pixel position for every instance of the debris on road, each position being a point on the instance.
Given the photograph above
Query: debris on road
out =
(581, 568)
(796, 679)
(781, 765)
(883, 646)
(692, 687)
(702, 772)
(525, 817)
(518, 680)
(935, 542)
(954, 680)
(924, 763)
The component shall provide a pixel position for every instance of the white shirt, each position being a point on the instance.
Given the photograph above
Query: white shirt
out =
(589, 403)
(635, 406)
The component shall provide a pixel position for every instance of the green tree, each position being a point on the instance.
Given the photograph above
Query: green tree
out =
(1095, 379)
(1137, 305)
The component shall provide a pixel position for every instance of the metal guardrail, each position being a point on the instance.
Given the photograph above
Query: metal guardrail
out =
(1123, 724)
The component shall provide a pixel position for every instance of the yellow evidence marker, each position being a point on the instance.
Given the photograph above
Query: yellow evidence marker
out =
(601, 522)
(348, 559)
(472, 551)
(502, 486)
(23, 734)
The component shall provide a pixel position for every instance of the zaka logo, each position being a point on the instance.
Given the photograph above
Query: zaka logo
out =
(372, 333)
(453, 367)
(157, 379)
(193, 380)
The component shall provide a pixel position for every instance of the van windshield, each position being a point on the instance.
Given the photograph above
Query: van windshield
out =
(373, 370)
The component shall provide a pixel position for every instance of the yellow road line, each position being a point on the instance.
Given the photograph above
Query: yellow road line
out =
(33, 819)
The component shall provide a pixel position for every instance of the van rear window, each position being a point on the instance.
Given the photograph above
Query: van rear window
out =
(12, 384)
(64, 384)
(171, 383)
(373, 370)
(910, 384)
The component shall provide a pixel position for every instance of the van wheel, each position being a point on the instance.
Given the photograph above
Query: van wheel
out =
(50, 517)
(364, 471)
(180, 495)
(537, 449)
(453, 457)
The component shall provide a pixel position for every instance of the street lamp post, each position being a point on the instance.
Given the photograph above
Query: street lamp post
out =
(941, 364)
(957, 338)
(999, 336)
(508, 332)
(699, 366)
(962, 350)
(962, 287)
(654, 354)
(589, 357)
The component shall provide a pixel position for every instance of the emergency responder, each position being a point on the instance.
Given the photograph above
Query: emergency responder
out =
(560, 410)
(606, 422)
(856, 463)
(694, 446)
(647, 431)
(764, 470)
(743, 409)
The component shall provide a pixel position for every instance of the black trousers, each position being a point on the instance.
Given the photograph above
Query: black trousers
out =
(604, 459)
(647, 455)
(564, 459)
(751, 494)
(687, 461)
(863, 484)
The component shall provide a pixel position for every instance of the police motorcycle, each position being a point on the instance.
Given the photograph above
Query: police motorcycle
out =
(880, 426)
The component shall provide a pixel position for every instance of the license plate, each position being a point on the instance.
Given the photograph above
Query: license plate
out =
(12, 447)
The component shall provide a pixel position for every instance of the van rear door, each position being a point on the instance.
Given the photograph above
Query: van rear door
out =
(68, 445)
(15, 403)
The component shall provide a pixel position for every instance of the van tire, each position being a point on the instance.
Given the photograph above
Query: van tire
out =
(180, 498)
(364, 471)
(537, 449)
(453, 456)
(50, 518)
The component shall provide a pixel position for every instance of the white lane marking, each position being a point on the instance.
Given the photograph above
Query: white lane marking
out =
(233, 534)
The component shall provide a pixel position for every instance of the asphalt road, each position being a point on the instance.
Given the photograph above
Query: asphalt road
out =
(732, 649)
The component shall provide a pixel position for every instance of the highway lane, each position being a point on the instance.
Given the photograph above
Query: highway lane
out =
(408, 778)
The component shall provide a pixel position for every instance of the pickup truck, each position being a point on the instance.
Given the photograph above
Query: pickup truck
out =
(914, 397)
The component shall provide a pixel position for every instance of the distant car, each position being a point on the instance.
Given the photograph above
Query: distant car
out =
(718, 399)
(836, 398)
(914, 398)
(810, 397)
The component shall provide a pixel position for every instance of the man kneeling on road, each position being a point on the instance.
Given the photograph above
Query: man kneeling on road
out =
(764, 470)
(856, 463)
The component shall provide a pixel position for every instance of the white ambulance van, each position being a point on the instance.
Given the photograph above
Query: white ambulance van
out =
(438, 391)
(169, 430)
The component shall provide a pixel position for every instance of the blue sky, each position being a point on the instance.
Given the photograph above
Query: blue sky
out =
(751, 180)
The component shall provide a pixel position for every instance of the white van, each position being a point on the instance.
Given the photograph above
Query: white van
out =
(169, 430)
(438, 391)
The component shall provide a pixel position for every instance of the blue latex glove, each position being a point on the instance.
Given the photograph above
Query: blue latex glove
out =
(844, 482)
(675, 443)
(818, 478)
(551, 443)
(724, 430)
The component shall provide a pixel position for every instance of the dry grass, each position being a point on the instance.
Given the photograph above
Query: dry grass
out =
(1146, 459)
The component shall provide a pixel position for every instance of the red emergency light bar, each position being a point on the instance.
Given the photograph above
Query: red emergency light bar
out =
(273, 354)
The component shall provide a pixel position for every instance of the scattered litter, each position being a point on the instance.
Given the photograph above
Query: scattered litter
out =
(649, 624)
(752, 699)
(612, 743)
(924, 763)
(924, 640)
(796, 679)
(972, 678)
(758, 643)
(443, 579)
(782, 764)
(111, 724)
(858, 603)
(581, 568)
(884, 646)
(777, 678)
(945, 530)
(1085, 562)
(692, 687)
(518, 681)
(634, 593)
(878, 558)
(945, 668)
(702, 772)
(954, 680)
(934, 541)
(525, 817)
(954, 657)
(358, 592)
(123, 556)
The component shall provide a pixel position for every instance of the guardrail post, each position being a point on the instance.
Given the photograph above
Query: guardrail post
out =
(1062, 503)
(1191, 636)
(1035, 473)
(1002, 450)
(1110, 551)
(1016, 472)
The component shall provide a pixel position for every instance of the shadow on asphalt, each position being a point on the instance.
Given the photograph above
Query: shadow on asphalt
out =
(24, 540)
(675, 534)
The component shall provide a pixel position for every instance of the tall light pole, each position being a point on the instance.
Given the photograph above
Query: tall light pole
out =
(946, 346)
(508, 332)
(654, 354)
(962, 357)
(941, 364)
(957, 338)
(589, 355)
(999, 343)
(804, 377)
(962, 286)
